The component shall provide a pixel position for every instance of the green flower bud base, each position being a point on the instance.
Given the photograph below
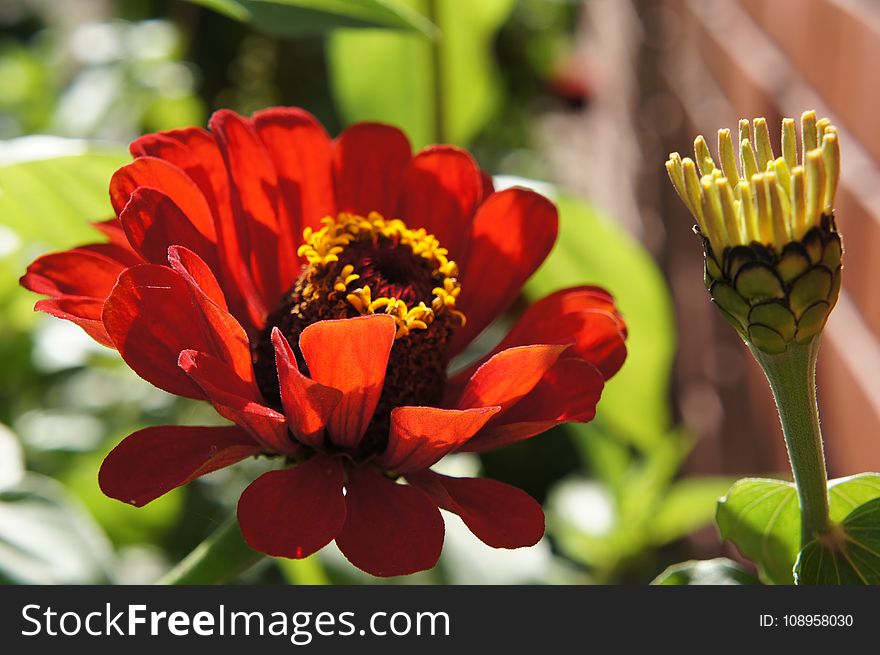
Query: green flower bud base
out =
(775, 298)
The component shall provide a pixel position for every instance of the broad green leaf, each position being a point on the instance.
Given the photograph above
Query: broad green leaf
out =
(390, 77)
(45, 538)
(299, 17)
(52, 201)
(719, 571)
(849, 554)
(688, 505)
(846, 494)
(762, 518)
(48, 204)
(592, 249)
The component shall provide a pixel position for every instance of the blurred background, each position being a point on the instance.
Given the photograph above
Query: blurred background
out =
(584, 100)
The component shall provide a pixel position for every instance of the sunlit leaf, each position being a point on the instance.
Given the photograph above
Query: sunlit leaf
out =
(299, 17)
(592, 249)
(391, 77)
(719, 571)
(849, 554)
(48, 204)
(52, 201)
(45, 538)
(761, 517)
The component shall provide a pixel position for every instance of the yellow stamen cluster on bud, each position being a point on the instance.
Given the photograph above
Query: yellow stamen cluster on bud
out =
(323, 247)
(766, 199)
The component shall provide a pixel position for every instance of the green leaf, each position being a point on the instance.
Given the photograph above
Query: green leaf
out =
(688, 505)
(390, 77)
(762, 518)
(592, 249)
(48, 204)
(53, 201)
(849, 554)
(291, 18)
(45, 538)
(719, 571)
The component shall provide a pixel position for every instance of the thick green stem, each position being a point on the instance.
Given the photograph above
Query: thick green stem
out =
(792, 377)
(218, 559)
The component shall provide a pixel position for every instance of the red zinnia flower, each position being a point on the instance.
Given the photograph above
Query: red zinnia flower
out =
(308, 288)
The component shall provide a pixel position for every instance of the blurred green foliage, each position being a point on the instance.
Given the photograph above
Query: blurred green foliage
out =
(439, 91)
(719, 571)
(291, 18)
(471, 73)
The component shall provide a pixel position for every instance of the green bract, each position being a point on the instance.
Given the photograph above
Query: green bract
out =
(775, 297)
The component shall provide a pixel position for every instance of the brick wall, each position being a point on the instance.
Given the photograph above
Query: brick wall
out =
(666, 70)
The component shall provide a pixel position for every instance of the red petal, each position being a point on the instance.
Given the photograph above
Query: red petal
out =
(170, 180)
(85, 312)
(114, 232)
(568, 392)
(390, 529)
(194, 269)
(154, 312)
(369, 161)
(350, 355)
(122, 254)
(442, 187)
(153, 461)
(420, 436)
(513, 232)
(254, 193)
(294, 512)
(195, 151)
(153, 223)
(499, 515)
(586, 316)
(230, 342)
(238, 401)
(508, 376)
(301, 152)
(307, 404)
(77, 272)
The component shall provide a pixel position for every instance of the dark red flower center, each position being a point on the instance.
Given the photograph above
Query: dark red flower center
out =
(368, 265)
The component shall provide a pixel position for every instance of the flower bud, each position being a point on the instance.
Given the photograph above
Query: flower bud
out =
(772, 250)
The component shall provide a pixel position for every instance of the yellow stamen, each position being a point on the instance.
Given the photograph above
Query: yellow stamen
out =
(323, 247)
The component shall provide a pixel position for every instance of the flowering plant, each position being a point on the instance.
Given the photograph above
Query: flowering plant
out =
(773, 269)
(314, 291)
